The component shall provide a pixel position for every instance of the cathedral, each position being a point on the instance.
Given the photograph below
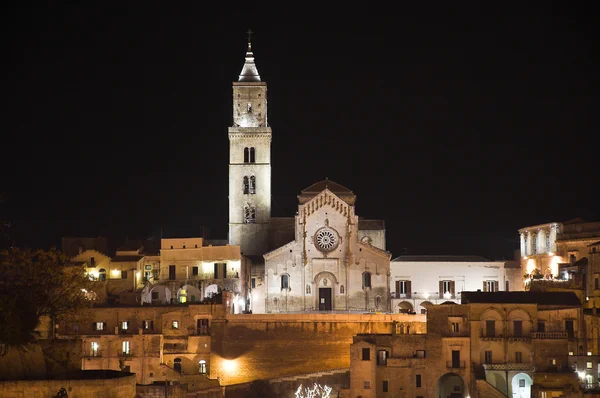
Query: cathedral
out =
(326, 258)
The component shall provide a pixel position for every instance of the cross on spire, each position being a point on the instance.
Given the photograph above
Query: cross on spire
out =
(249, 32)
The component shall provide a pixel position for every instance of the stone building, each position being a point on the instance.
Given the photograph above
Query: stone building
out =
(321, 259)
(495, 344)
(557, 256)
(418, 282)
(190, 271)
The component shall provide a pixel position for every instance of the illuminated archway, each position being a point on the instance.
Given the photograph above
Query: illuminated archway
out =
(521, 385)
(211, 290)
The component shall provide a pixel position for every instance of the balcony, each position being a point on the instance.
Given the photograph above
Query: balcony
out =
(491, 336)
(550, 335)
(455, 364)
(525, 367)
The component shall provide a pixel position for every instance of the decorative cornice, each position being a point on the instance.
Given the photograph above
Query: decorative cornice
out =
(249, 135)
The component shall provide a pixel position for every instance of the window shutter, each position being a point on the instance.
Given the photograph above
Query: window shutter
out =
(408, 289)
(104, 324)
(94, 326)
(484, 286)
(397, 289)
(152, 325)
(496, 286)
(452, 289)
(441, 292)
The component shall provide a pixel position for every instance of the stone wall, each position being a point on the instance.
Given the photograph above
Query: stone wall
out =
(252, 347)
(90, 384)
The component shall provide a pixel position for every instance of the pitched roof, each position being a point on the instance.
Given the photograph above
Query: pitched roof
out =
(565, 299)
(370, 224)
(249, 71)
(442, 258)
(320, 186)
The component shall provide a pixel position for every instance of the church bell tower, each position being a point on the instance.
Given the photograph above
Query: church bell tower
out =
(249, 162)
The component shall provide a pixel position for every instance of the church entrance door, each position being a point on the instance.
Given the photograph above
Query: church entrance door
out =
(324, 299)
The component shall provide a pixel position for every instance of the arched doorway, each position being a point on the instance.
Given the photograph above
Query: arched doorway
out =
(101, 274)
(521, 385)
(450, 385)
(211, 290)
(177, 365)
(405, 307)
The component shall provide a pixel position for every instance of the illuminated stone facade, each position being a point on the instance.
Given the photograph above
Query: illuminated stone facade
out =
(249, 163)
(513, 343)
(560, 256)
(418, 282)
(326, 267)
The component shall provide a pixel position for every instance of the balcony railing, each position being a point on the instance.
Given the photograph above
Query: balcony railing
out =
(455, 364)
(508, 366)
(550, 335)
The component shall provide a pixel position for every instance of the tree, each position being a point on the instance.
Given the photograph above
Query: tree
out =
(33, 284)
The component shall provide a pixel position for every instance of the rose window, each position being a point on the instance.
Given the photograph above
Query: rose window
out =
(326, 239)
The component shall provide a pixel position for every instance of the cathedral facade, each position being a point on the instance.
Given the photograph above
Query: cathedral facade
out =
(325, 258)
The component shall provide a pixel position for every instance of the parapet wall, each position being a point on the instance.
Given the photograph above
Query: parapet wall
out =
(108, 384)
(265, 346)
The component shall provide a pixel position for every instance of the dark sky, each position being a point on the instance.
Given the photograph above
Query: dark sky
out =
(457, 128)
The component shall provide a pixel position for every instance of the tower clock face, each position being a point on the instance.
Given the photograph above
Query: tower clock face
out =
(326, 239)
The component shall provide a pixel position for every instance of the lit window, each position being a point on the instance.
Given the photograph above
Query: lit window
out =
(589, 353)
(94, 348)
(570, 352)
(126, 348)
(175, 324)
(203, 367)
(99, 325)
(589, 365)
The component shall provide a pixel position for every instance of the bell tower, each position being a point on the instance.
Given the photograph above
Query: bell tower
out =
(249, 161)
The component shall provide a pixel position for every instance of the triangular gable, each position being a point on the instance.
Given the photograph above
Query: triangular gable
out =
(325, 198)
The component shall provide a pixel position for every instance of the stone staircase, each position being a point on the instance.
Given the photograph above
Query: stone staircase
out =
(485, 389)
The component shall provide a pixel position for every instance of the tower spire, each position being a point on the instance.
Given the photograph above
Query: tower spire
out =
(249, 72)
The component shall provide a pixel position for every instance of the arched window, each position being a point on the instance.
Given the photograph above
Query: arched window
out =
(252, 155)
(366, 279)
(377, 302)
(252, 185)
(249, 215)
(507, 286)
(203, 367)
(341, 289)
(177, 365)
(101, 274)
(246, 155)
(246, 186)
(285, 281)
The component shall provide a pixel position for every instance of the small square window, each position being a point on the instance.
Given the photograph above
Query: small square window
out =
(521, 383)
(570, 352)
(589, 353)
(589, 365)
(367, 385)
(175, 324)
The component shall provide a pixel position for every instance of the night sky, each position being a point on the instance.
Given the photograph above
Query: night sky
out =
(456, 128)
